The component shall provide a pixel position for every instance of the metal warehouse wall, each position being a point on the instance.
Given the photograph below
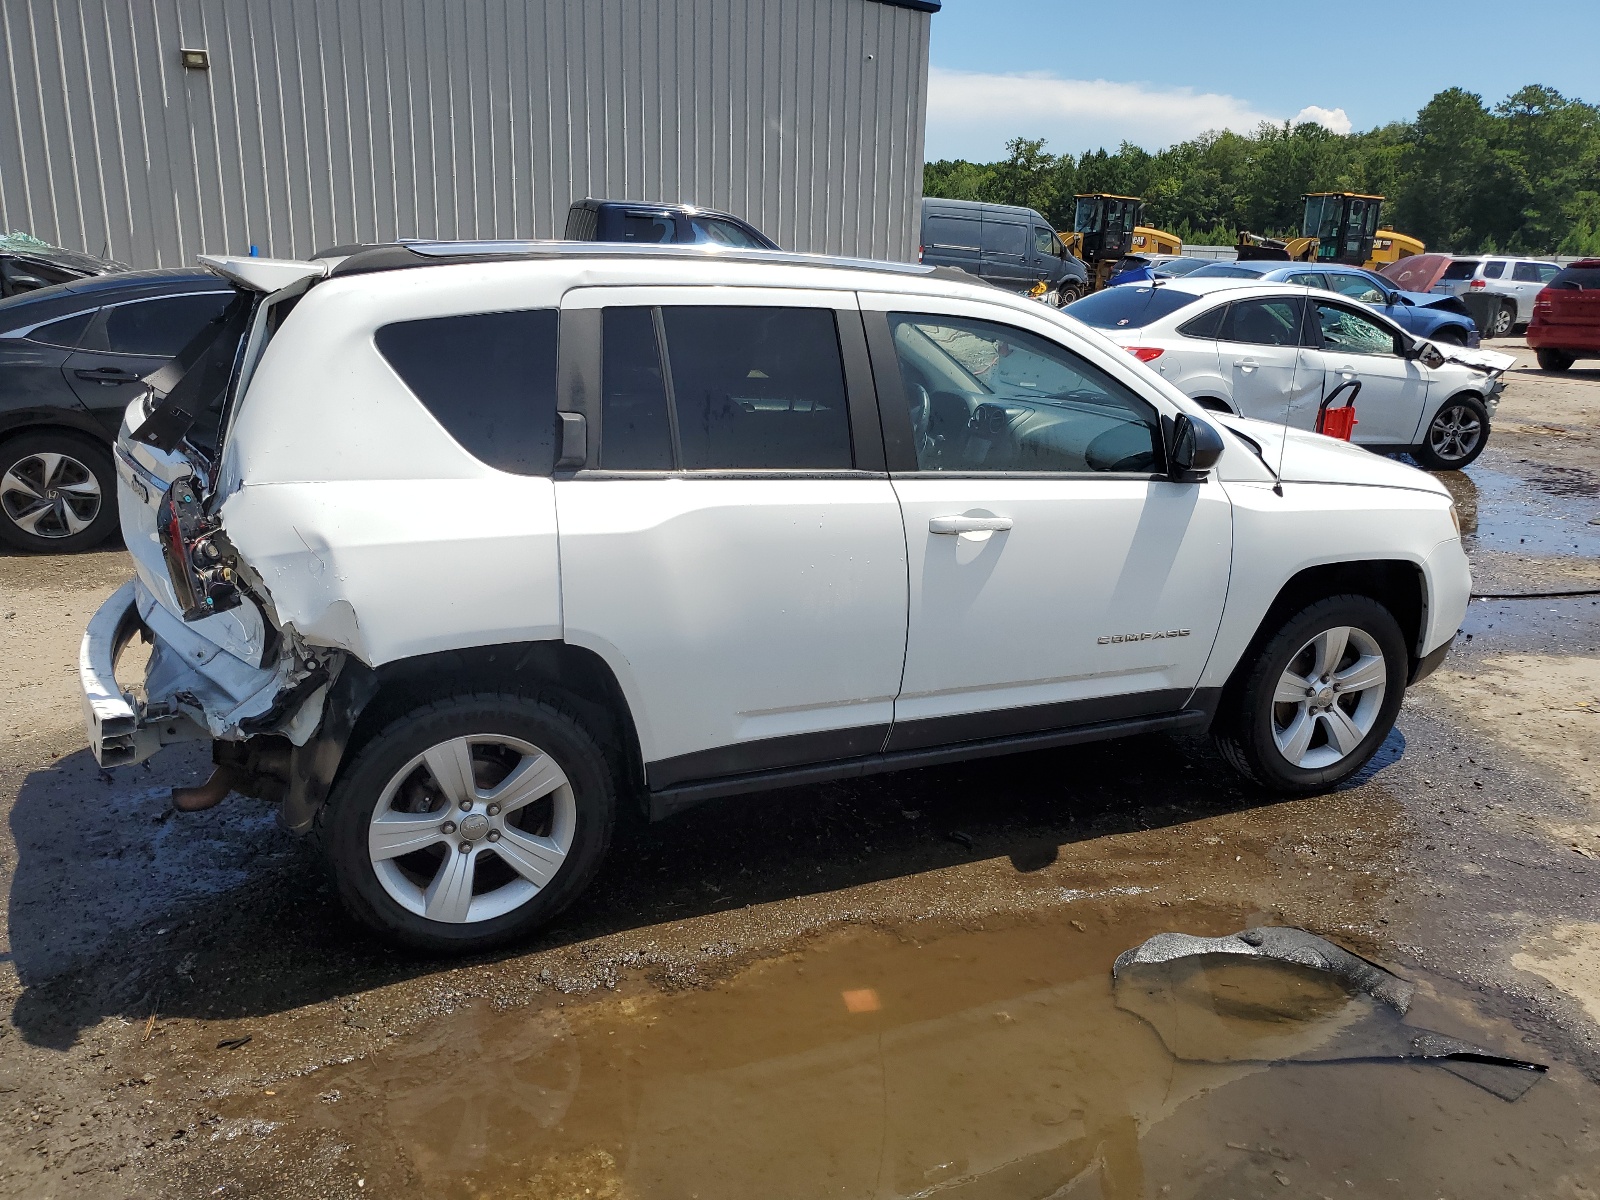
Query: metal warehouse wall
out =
(323, 122)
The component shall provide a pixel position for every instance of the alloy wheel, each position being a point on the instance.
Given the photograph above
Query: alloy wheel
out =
(1504, 318)
(1329, 697)
(50, 495)
(472, 828)
(1454, 432)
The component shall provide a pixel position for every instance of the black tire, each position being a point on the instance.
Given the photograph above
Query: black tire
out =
(1554, 360)
(1451, 335)
(45, 525)
(1247, 720)
(1505, 319)
(544, 723)
(1448, 442)
(1072, 291)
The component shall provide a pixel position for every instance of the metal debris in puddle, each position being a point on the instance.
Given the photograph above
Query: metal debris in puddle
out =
(1276, 995)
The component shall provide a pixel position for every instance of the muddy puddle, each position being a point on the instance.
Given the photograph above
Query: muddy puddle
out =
(975, 1063)
(1554, 514)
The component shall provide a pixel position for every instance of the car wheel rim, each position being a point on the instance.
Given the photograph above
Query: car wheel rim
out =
(1329, 697)
(472, 828)
(50, 495)
(1455, 432)
(1502, 323)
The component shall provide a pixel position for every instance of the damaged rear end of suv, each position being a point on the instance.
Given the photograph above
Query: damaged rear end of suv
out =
(223, 666)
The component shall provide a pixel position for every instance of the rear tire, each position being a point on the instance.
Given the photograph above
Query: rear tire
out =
(1321, 735)
(58, 492)
(423, 854)
(1505, 317)
(1554, 360)
(1455, 436)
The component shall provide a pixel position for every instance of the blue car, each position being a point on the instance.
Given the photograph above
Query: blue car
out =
(1142, 268)
(1437, 318)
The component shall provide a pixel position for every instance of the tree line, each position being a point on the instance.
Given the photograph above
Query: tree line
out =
(1520, 177)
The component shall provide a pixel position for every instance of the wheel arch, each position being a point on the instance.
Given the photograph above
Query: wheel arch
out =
(1397, 584)
(363, 701)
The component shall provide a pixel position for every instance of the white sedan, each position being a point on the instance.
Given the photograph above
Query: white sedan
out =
(1277, 351)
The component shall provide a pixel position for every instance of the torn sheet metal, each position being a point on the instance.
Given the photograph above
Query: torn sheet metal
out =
(1279, 995)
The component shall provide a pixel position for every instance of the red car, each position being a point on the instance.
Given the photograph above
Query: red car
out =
(1566, 317)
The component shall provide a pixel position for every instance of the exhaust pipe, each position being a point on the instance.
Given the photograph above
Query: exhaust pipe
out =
(209, 794)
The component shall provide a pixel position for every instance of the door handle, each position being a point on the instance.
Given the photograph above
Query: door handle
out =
(1249, 364)
(968, 524)
(1347, 369)
(107, 375)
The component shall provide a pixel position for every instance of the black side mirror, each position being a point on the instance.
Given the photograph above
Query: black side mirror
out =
(1193, 448)
(26, 283)
(1425, 353)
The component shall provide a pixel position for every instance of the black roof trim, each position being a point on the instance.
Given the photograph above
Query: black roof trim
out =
(927, 6)
(408, 255)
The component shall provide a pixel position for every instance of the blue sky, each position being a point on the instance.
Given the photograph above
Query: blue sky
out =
(1155, 72)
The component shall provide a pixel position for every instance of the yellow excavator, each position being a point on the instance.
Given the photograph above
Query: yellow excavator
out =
(1338, 227)
(1107, 227)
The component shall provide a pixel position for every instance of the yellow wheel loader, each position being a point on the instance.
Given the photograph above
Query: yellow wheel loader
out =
(1338, 227)
(1105, 228)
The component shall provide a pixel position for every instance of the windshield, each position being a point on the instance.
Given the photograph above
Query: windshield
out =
(1180, 266)
(1129, 307)
(1086, 217)
(1578, 278)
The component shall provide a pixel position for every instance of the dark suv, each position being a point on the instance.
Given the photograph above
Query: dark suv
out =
(593, 220)
(71, 358)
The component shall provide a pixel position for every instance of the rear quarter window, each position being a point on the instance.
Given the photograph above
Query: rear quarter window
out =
(1460, 269)
(1129, 306)
(488, 378)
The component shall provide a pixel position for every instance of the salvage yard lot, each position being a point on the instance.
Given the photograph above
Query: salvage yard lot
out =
(811, 959)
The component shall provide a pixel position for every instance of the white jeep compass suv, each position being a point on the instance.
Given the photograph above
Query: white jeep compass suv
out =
(449, 549)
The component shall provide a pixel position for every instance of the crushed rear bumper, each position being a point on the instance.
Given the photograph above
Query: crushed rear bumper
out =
(120, 727)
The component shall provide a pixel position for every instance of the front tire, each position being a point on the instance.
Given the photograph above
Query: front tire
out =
(1318, 698)
(58, 492)
(470, 822)
(1554, 360)
(1455, 436)
(1451, 336)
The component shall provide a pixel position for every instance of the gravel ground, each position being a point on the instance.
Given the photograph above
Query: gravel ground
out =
(137, 942)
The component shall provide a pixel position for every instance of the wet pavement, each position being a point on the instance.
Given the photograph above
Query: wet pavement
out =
(892, 987)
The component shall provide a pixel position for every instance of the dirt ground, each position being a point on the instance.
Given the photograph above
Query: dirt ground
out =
(892, 987)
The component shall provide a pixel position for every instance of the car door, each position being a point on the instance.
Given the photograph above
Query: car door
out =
(1349, 344)
(1057, 577)
(1527, 281)
(1259, 353)
(1006, 246)
(732, 547)
(127, 342)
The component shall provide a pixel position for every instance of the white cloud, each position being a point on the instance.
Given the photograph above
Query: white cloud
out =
(971, 114)
(1334, 119)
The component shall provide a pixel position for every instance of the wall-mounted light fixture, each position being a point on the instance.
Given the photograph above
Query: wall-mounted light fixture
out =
(196, 60)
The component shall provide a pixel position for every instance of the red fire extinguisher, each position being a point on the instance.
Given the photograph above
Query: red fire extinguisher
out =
(1339, 422)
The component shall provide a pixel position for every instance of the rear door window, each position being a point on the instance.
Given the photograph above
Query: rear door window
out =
(1314, 279)
(1526, 272)
(160, 327)
(723, 233)
(954, 233)
(1274, 322)
(488, 378)
(757, 388)
(635, 423)
(647, 227)
(1128, 306)
(1493, 270)
(65, 333)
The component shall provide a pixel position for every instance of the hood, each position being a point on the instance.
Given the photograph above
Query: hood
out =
(1492, 362)
(1311, 458)
(1449, 303)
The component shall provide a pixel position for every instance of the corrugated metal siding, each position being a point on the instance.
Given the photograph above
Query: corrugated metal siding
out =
(324, 122)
